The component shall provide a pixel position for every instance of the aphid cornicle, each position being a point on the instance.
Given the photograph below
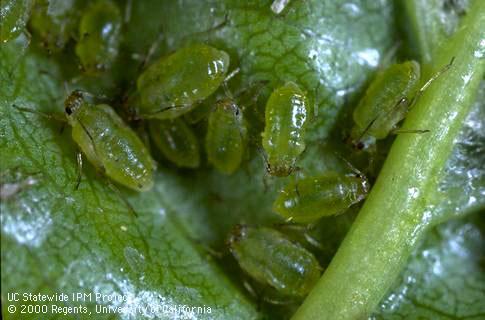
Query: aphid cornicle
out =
(176, 141)
(54, 22)
(111, 146)
(286, 118)
(100, 36)
(226, 136)
(174, 84)
(14, 15)
(309, 199)
(273, 260)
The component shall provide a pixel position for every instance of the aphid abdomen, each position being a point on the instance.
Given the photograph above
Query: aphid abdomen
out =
(286, 118)
(380, 106)
(100, 36)
(112, 147)
(226, 137)
(14, 15)
(174, 84)
(176, 141)
(271, 259)
(309, 199)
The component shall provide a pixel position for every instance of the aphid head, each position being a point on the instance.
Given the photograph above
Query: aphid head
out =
(73, 102)
(279, 170)
(237, 233)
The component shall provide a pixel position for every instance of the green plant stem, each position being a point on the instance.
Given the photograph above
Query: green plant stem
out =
(396, 214)
(425, 26)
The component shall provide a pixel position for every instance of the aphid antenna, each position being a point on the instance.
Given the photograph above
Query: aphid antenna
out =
(162, 110)
(389, 55)
(54, 117)
(356, 171)
(430, 81)
(125, 201)
(151, 51)
(208, 32)
(66, 88)
(260, 84)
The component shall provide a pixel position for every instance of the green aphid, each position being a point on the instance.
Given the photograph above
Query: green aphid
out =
(55, 22)
(308, 199)
(14, 15)
(382, 106)
(286, 117)
(111, 146)
(176, 141)
(175, 84)
(226, 138)
(273, 260)
(100, 36)
(388, 100)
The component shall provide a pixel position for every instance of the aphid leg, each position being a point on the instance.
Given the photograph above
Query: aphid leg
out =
(122, 197)
(274, 300)
(399, 131)
(304, 230)
(267, 168)
(401, 102)
(79, 161)
(265, 180)
(231, 75)
(315, 104)
(61, 129)
(312, 241)
(54, 117)
(430, 81)
(252, 292)
(207, 249)
(295, 178)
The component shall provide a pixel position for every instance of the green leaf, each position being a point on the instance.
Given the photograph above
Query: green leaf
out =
(444, 278)
(56, 239)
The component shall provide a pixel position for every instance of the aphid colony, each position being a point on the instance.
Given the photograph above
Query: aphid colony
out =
(172, 91)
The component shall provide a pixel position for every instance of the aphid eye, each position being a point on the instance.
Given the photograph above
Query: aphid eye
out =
(68, 111)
